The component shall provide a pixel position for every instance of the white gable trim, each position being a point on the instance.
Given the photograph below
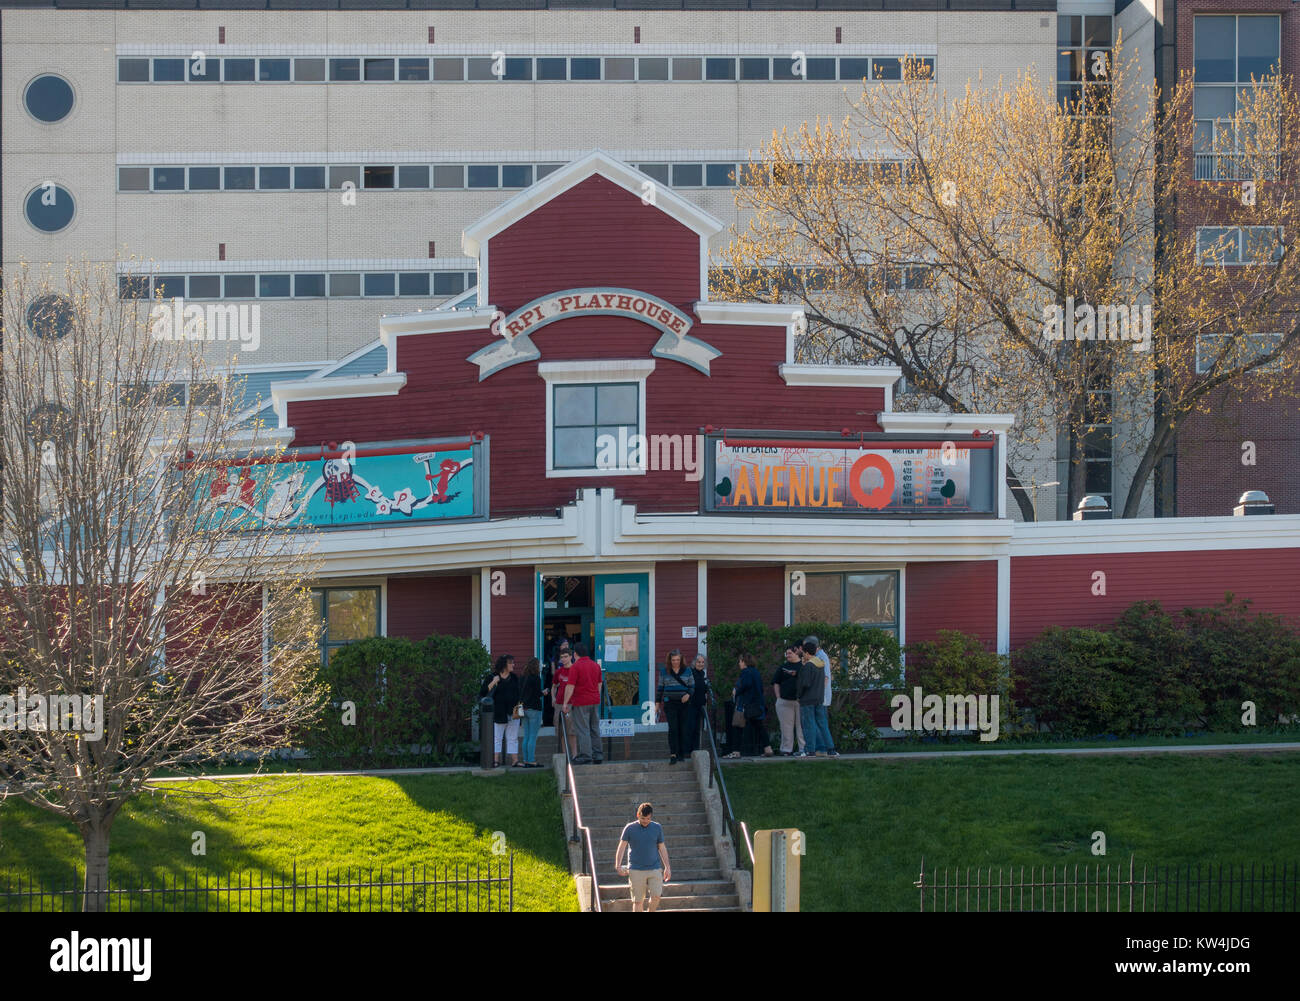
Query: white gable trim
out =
(918, 423)
(348, 387)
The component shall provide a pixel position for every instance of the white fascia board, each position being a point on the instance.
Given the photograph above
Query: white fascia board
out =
(351, 387)
(269, 437)
(556, 183)
(1156, 535)
(913, 423)
(596, 371)
(872, 376)
(763, 314)
(431, 321)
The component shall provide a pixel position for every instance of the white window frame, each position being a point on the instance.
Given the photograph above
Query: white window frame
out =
(1241, 247)
(1270, 367)
(570, 373)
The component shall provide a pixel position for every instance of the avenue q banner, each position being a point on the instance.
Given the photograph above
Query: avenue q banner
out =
(350, 486)
(774, 475)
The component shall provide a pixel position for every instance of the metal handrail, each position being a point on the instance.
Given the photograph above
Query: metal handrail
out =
(588, 851)
(739, 833)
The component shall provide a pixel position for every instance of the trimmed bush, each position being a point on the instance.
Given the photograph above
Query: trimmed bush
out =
(960, 664)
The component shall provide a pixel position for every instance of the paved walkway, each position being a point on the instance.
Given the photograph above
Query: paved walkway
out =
(1293, 747)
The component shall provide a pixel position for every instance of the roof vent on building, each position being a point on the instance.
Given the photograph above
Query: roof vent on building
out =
(1092, 508)
(1253, 502)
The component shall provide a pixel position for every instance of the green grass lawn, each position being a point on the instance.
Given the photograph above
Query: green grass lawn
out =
(868, 823)
(357, 822)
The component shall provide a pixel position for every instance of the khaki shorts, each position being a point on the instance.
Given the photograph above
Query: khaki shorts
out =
(642, 880)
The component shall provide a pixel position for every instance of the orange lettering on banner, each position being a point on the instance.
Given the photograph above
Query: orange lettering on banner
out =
(834, 475)
(883, 494)
(813, 499)
(743, 488)
(776, 485)
(762, 477)
(798, 486)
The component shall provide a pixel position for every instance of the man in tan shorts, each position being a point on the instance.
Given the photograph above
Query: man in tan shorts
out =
(643, 842)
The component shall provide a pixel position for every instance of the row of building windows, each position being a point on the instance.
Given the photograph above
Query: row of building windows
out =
(292, 285)
(1236, 245)
(450, 69)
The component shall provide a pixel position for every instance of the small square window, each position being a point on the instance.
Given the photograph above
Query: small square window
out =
(483, 175)
(620, 68)
(688, 175)
(132, 178)
(379, 177)
(345, 70)
(547, 168)
(412, 69)
(659, 171)
(133, 286)
(552, 68)
(309, 178)
(449, 69)
(720, 175)
(584, 68)
(309, 70)
(480, 68)
(310, 286)
(413, 175)
(344, 175)
(205, 287)
(273, 286)
(240, 286)
(133, 71)
(755, 68)
(169, 178)
(380, 283)
(168, 70)
(652, 68)
(516, 175)
(205, 70)
(240, 178)
(688, 68)
(169, 286)
(449, 175)
(205, 178)
(855, 69)
(886, 68)
(345, 286)
(241, 70)
(719, 69)
(518, 69)
(413, 283)
(380, 69)
(448, 282)
(273, 70)
(273, 178)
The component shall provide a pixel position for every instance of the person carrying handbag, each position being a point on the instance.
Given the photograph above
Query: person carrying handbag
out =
(751, 709)
(503, 688)
(675, 691)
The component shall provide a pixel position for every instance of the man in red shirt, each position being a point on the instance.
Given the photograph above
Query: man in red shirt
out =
(581, 703)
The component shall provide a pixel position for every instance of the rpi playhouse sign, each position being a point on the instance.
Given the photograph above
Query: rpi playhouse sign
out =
(515, 329)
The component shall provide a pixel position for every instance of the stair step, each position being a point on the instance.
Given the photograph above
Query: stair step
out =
(728, 902)
(682, 888)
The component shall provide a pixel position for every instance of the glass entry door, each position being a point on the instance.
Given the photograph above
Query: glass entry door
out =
(622, 634)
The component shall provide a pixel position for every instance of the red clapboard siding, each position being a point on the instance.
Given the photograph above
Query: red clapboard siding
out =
(958, 595)
(594, 234)
(1057, 590)
(421, 606)
(676, 605)
(747, 594)
(513, 616)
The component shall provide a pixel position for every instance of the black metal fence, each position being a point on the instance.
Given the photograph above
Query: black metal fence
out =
(453, 888)
(1121, 886)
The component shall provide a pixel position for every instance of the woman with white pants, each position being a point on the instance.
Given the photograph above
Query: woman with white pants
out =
(503, 688)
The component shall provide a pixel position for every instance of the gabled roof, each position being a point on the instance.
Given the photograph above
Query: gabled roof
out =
(571, 174)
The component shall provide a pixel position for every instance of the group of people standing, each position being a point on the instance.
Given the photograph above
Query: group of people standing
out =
(802, 687)
(516, 702)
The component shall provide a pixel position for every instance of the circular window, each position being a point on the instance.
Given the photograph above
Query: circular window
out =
(49, 207)
(48, 98)
(49, 422)
(50, 316)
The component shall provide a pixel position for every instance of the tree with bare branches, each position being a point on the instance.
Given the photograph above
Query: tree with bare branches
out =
(145, 622)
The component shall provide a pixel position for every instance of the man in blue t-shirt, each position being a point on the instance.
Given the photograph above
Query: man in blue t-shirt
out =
(643, 842)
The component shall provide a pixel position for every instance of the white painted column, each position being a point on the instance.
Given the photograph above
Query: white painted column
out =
(702, 603)
(1004, 604)
(485, 606)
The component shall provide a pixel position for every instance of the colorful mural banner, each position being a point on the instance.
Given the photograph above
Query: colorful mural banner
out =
(426, 482)
(816, 478)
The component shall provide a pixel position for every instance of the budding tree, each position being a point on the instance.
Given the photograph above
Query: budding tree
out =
(129, 570)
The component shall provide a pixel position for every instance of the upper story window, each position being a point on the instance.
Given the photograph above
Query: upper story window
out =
(1230, 51)
(595, 417)
(1238, 245)
(1083, 55)
(1235, 352)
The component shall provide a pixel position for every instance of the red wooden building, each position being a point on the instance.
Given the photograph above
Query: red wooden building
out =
(598, 449)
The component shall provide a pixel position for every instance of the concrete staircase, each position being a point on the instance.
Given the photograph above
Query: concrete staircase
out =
(609, 795)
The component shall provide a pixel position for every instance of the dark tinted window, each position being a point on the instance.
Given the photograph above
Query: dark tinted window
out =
(345, 70)
(519, 69)
(449, 69)
(659, 171)
(688, 175)
(205, 178)
(132, 178)
(240, 286)
(240, 178)
(754, 69)
(273, 178)
(855, 69)
(344, 175)
(345, 285)
(273, 286)
(50, 316)
(309, 286)
(412, 69)
(821, 69)
(516, 175)
(133, 71)
(719, 175)
(133, 286)
(380, 69)
(886, 69)
(380, 177)
(168, 70)
(49, 208)
(309, 70)
(584, 69)
(168, 286)
(653, 69)
(449, 175)
(413, 283)
(273, 70)
(205, 287)
(413, 175)
(240, 70)
(169, 178)
(483, 175)
(309, 178)
(380, 283)
(551, 68)
(719, 69)
(448, 282)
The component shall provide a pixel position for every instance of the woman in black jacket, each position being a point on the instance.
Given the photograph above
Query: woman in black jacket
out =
(503, 688)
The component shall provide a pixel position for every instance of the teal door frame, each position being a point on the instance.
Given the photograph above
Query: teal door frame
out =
(641, 621)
